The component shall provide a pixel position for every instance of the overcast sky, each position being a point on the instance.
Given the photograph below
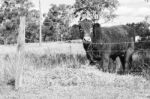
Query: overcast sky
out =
(129, 10)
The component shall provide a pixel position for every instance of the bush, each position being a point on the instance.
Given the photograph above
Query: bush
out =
(141, 63)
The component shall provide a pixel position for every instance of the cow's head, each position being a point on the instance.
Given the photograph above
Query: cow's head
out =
(86, 30)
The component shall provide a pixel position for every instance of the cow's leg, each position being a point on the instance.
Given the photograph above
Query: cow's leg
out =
(89, 53)
(118, 65)
(105, 62)
(90, 58)
(127, 59)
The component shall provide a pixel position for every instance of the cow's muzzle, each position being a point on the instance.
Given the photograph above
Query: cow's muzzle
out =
(87, 39)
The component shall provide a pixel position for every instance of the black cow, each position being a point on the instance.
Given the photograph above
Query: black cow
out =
(101, 44)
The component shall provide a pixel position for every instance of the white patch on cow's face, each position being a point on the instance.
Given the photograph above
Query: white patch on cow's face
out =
(87, 39)
(137, 38)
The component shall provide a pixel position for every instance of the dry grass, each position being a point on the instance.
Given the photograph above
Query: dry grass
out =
(60, 71)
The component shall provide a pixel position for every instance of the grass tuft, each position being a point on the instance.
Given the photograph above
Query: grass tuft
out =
(56, 60)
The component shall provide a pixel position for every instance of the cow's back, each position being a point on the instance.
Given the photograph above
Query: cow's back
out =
(118, 34)
(118, 38)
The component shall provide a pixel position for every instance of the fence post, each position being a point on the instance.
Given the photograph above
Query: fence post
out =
(40, 38)
(20, 47)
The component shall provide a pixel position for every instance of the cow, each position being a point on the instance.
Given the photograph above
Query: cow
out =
(103, 43)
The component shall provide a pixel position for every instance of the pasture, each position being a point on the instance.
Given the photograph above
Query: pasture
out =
(60, 70)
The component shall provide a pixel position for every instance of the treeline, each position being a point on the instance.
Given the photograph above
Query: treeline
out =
(56, 23)
(142, 30)
(10, 12)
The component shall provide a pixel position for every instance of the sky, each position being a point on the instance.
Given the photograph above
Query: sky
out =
(128, 11)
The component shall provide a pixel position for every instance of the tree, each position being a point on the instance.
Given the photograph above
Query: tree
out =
(10, 12)
(141, 29)
(32, 26)
(96, 9)
(56, 24)
(49, 24)
(74, 32)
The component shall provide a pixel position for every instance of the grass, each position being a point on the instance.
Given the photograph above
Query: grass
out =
(56, 60)
(61, 71)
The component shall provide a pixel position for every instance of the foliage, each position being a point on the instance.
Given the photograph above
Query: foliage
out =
(56, 23)
(32, 26)
(141, 29)
(10, 12)
(75, 33)
(96, 9)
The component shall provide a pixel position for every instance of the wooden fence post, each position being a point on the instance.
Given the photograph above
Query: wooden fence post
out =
(21, 35)
(20, 47)
(40, 38)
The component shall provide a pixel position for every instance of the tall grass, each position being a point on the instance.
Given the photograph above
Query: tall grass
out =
(9, 66)
(9, 62)
(50, 55)
(53, 60)
(50, 61)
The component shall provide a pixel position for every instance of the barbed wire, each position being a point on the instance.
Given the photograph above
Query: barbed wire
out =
(121, 51)
(69, 41)
(42, 22)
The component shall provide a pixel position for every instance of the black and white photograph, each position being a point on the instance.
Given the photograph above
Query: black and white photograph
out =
(74, 49)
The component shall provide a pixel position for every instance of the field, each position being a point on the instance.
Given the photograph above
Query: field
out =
(60, 71)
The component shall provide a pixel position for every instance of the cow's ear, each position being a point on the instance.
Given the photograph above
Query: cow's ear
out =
(96, 25)
(81, 32)
(75, 32)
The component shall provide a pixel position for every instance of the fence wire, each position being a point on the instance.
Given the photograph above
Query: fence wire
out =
(120, 51)
(69, 41)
